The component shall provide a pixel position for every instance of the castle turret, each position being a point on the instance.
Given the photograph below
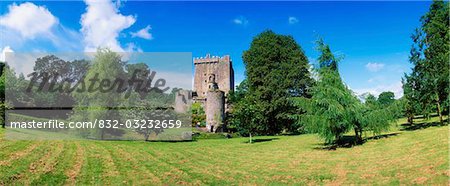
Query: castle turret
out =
(215, 109)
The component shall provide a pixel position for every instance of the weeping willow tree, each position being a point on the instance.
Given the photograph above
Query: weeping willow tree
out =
(334, 110)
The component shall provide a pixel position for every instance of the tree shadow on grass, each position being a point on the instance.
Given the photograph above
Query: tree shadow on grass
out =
(351, 141)
(421, 125)
(172, 141)
(261, 140)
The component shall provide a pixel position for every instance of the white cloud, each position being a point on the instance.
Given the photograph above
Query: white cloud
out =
(374, 67)
(241, 20)
(28, 27)
(102, 24)
(29, 20)
(5, 51)
(143, 33)
(395, 87)
(292, 20)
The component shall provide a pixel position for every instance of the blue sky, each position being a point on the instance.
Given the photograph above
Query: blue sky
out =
(374, 37)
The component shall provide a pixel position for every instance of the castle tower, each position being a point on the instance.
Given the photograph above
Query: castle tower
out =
(221, 67)
(213, 80)
(215, 110)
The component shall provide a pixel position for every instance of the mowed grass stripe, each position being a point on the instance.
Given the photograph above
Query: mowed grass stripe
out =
(128, 160)
(93, 167)
(45, 164)
(15, 155)
(112, 174)
(15, 169)
(202, 167)
(60, 163)
(99, 168)
(78, 159)
(159, 165)
(208, 164)
(10, 147)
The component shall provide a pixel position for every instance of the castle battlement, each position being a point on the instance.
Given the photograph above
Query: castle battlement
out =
(212, 59)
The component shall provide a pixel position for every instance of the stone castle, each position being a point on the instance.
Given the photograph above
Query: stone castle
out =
(213, 80)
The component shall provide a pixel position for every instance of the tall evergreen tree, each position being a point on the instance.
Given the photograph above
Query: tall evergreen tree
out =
(430, 56)
(334, 110)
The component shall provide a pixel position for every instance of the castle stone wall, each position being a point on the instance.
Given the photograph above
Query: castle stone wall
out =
(183, 101)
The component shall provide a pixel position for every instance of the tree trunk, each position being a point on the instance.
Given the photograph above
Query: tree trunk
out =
(4, 120)
(439, 111)
(250, 137)
(146, 136)
(358, 135)
(411, 119)
(102, 134)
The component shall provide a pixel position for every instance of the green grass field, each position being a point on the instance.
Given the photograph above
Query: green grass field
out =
(406, 157)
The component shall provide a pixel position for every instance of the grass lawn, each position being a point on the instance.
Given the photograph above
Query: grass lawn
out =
(416, 156)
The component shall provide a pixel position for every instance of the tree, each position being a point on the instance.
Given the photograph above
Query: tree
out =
(327, 58)
(106, 66)
(329, 111)
(371, 101)
(198, 114)
(143, 109)
(246, 115)
(334, 110)
(140, 71)
(430, 55)
(410, 99)
(386, 98)
(276, 69)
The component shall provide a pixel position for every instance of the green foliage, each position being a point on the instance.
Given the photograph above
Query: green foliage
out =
(239, 93)
(276, 70)
(379, 119)
(371, 101)
(198, 115)
(386, 98)
(143, 109)
(247, 116)
(106, 65)
(333, 110)
(428, 84)
(327, 58)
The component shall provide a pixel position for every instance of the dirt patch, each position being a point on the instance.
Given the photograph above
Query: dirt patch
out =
(420, 180)
(341, 176)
